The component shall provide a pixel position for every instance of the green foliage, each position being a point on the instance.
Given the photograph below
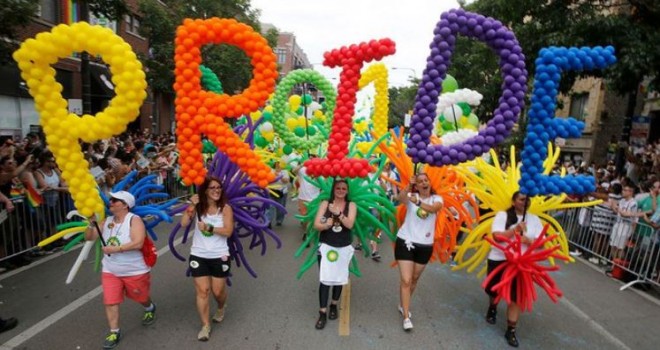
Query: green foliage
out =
(112, 9)
(230, 64)
(402, 100)
(13, 14)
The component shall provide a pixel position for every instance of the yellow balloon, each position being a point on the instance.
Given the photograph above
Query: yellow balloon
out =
(291, 123)
(63, 129)
(377, 73)
(294, 102)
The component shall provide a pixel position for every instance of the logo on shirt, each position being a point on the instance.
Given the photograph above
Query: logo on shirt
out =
(332, 256)
(113, 241)
(422, 214)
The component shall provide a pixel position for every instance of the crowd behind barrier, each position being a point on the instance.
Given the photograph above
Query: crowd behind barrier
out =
(596, 235)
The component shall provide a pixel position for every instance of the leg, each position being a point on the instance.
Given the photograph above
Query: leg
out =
(512, 312)
(406, 270)
(417, 272)
(203, 289)
(336, 294)
(324, 292)
(112, 314)
(219, 290)
(280, 213)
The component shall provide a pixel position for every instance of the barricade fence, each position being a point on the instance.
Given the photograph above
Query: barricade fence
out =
(626, 248)
(26, 225)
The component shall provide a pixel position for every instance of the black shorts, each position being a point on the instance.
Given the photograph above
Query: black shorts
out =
(492, 265)
(421, 254)
(217, 267)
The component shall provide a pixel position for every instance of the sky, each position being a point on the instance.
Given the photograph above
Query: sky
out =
(321, 26)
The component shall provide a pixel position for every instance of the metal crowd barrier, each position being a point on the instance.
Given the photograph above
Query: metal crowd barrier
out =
(25, 226)
(594, 230)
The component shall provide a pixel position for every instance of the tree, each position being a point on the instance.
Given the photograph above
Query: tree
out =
(159, 25)
(13, 15)
(402, 100)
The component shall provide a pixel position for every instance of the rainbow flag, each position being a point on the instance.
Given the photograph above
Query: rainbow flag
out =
(33, 196)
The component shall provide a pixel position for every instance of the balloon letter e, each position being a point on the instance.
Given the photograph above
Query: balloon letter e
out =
(544, 127)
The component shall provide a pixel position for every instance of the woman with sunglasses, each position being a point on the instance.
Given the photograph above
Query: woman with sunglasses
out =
(414, 241)
(124, 271)
(334, 221)
(209, 255)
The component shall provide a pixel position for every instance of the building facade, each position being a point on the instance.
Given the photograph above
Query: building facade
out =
(19, 114)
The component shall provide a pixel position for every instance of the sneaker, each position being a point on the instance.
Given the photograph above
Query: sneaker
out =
(219, 315)
(334, 313)
(575, 253)
(358, 247)
(375, 256)
(111, 340)
(401, 312)
(320, 323)
(594, 261)
(204, 334)
(453, 263)
(407, 325)
(149, 316)
(511, 338)
(8, 324)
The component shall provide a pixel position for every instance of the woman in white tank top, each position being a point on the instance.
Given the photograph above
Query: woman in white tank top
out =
(210, 263)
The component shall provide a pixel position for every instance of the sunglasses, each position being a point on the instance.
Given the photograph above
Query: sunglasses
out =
(113, 200)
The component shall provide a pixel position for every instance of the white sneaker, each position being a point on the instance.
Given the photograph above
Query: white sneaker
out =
(407, 325)
(401, 312)
(593, 260)
(575, 253)
(219, 315)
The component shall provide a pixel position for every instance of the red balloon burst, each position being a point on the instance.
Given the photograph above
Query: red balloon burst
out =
(524, 268)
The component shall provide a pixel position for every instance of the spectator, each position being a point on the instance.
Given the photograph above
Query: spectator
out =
(626, 210)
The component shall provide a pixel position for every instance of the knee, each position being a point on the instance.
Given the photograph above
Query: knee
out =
(406, 282)
(203, 293)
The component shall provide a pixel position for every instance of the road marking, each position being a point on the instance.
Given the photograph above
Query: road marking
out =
(593, 324)
(42, 260)
(345, 314)
(63, 312)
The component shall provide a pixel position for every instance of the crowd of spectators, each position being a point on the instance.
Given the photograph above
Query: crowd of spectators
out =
(36, 198)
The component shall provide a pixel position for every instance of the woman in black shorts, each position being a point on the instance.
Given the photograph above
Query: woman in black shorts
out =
(209, 255)
(414, 242)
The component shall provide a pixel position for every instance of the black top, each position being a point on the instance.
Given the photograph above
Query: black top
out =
(341, 238)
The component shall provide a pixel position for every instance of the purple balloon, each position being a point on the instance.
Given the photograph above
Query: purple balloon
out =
(512, 65)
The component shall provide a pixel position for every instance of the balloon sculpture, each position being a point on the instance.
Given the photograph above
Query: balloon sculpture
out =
(63, 129)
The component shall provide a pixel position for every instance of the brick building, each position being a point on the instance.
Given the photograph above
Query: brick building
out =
(18, 112)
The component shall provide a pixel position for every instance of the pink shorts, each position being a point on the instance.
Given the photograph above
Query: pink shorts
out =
(135, 287)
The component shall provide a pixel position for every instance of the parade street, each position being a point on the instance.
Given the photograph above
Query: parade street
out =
(277, 311)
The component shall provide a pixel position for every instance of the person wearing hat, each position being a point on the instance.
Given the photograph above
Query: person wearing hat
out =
(124, 271)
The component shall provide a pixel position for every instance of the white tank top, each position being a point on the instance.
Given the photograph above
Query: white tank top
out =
(209, 247)
(126, 263)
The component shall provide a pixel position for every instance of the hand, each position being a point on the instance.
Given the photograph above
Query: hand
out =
(202, 226)
(10, 207)
(194, 199)
(111, 249)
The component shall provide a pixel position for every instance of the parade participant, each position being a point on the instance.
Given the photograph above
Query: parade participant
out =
(505, 225)
(334, 220)
(307, 192)
(209, 255)
(281, 189)
(124, 271)
(414, 242)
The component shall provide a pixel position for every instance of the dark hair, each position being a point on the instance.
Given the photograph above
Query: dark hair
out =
(616, 188)
(203, 205)
(511, 217)
(335, 182)
(45, 156)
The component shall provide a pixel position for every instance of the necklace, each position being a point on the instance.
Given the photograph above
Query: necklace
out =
(113, 239)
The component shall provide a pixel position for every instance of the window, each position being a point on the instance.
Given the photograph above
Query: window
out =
(49, 10)
(281, 55)
(578, 106)
(132, 24)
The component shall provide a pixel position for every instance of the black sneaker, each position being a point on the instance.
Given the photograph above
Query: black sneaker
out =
(333, 314)
(491, 315)
(149, 316)
(111, 340)
(375, 256)
(8, 324)
(511, 338)
(320, 323)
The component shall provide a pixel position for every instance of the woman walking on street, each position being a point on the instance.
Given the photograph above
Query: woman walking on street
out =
(124, 269)
(213, 221)
(334, 221)
(414, 242)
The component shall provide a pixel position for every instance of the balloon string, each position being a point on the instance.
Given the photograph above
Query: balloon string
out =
(455, 119)
(525, 209)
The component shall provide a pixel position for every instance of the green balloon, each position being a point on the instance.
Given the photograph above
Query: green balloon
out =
(465, 108)
(473, 119)
(287, 149)
(311, 131)
(448, 126)
(260, 141)
(324, 106)
(300, 111)
(210, 81)
(306, 99)
(449, 84)
(299, 131)
(267, 116)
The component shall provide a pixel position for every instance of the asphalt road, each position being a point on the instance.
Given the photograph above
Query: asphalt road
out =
(277, 311)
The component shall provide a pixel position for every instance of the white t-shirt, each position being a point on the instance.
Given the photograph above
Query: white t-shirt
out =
(419, 226)
(126, 263)
(279, 185)
(209, 247)
(534, 229)
(307, 192)
(334, 264)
